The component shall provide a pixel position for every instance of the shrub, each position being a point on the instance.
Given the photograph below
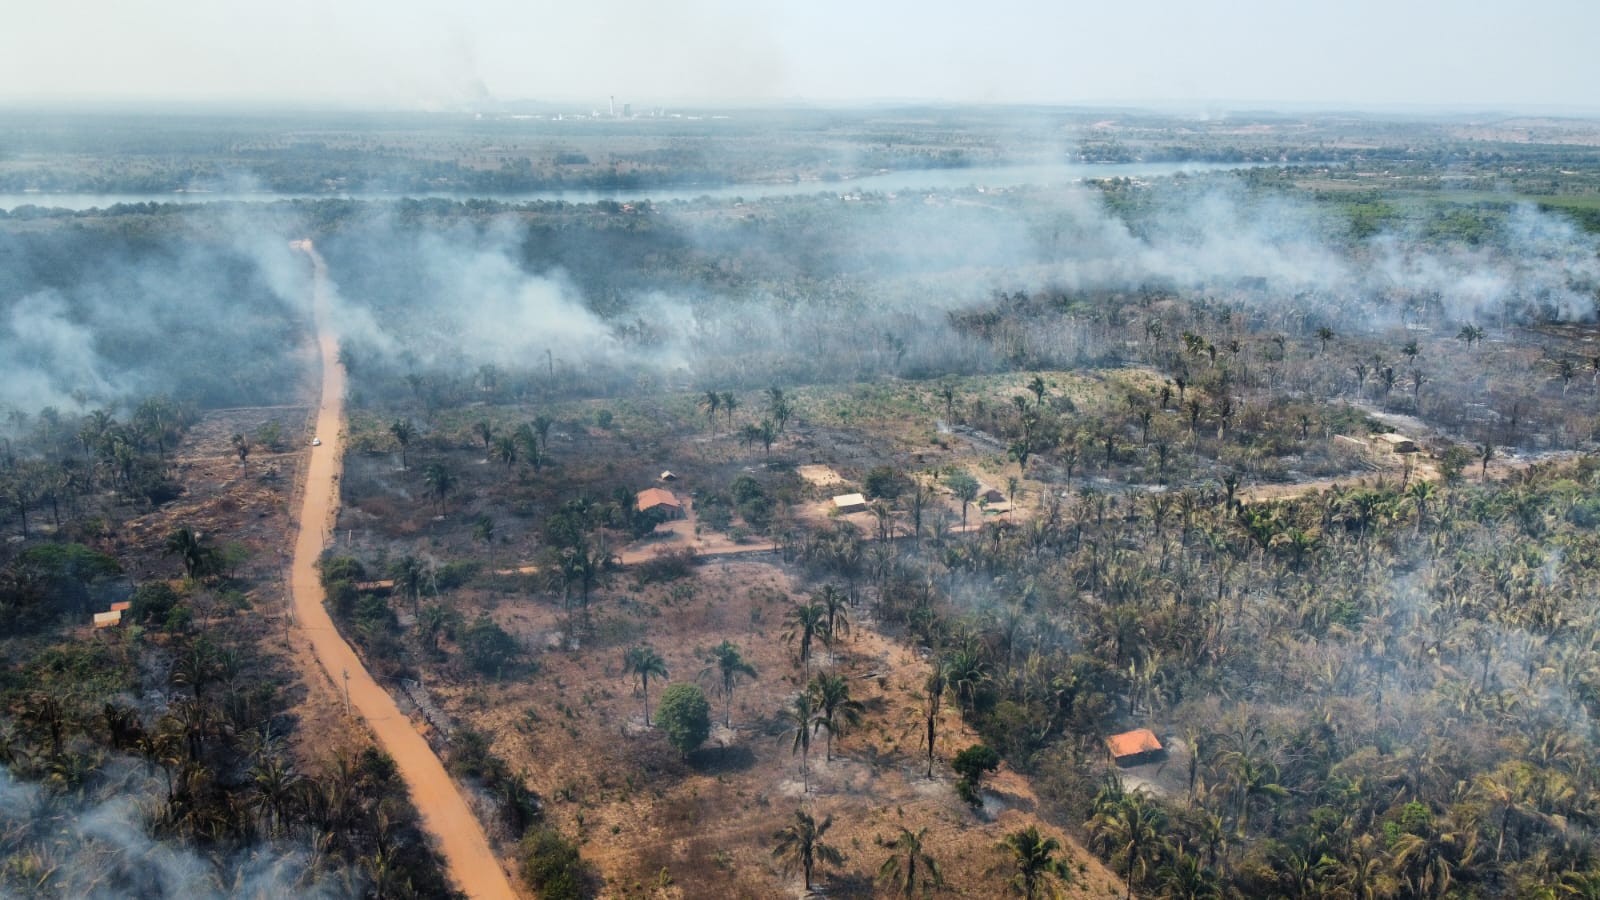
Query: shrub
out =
(552, 867)
(152, 602)
(685, 716)
(487, 647)
(342, 568)
(885, 482)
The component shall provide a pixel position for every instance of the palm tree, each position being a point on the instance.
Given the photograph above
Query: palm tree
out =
(275, 785)
(947, 393)
(643, 662)
(965, 488)
(1485, 454)
(1033, 857)
(910, 866)
(806, 623)
(837, 711)
(1038, 388)
(485, 431)
(440, 480)
(726, 660)
(779, 409)
(1325, 334)
(431, 622)
(241, 448)
(711, 403)
(834, 603)
(403, 432)
(800, 717)
(483, 530)
(1187, 878)
(505, 449)
(800, 845)
(186, 545)
(408, 572)
(1420, 493)
(1130, 829)
(729, 404)
(1427, 864)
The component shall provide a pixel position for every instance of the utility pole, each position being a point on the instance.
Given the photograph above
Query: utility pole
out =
(347, 693)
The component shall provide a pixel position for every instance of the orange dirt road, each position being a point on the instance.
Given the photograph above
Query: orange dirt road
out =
(445, 813)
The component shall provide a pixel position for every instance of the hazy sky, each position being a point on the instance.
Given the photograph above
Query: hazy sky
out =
(426, 54)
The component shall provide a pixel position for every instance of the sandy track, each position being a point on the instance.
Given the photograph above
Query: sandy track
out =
(445, 814)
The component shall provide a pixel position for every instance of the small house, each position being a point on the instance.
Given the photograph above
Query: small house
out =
(1134, 748)
(108, 619)
(850, 503)
(122, 606)
(659, 499)
(1398, 443)
(668, 476)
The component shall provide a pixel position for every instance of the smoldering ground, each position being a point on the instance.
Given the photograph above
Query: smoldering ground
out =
(834, 287)
(98, 845)
(209, 303)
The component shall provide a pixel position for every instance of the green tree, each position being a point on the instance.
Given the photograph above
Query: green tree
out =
(487, 647)
(972, 764)
(685, 715)
(643, 662)
(801, 846)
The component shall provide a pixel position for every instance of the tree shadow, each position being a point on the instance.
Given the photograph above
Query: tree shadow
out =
(722, 760)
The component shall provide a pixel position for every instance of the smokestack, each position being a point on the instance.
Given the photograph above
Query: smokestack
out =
(613, 106)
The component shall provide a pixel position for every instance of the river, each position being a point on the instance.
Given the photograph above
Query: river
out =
(888, 181)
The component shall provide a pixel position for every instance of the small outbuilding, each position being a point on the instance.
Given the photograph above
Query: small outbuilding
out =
(661, 499)
(1136, 747)
(850, 503)
(108, 619)
(668, 476)
(1398, 443)
(122, 606)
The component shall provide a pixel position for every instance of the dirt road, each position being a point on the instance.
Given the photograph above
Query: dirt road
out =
(445, 813)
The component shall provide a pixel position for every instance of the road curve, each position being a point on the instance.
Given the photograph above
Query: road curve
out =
(445, 813)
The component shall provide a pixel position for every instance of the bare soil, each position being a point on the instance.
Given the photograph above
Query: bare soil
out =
(444, 811)
(659, 825)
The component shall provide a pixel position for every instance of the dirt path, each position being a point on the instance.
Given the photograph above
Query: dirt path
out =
(445, 814)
